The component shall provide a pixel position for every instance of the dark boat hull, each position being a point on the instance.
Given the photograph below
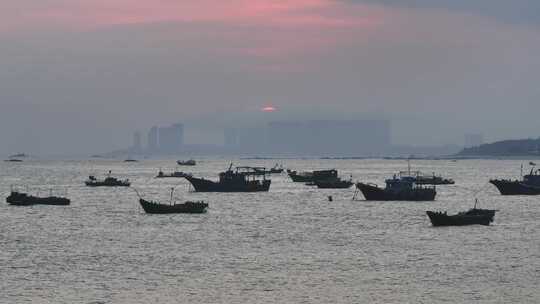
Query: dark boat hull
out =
(21, 199)
(374, 193)
(204, 185)
(333, 185)
(442, 219)
(507, 187)
(103, 184)
(301, 178)
(187, 207)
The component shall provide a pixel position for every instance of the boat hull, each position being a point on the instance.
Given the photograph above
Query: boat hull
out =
(187, 207)
(507, 187)
(21, 199)
(442, 219)
(374, 193)
(333, 185)
(103, 184)
(204, 185)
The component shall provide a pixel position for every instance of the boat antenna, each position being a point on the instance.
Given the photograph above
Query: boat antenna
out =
(521, 170)
(172, 192)
(409, 165)
(475, 202)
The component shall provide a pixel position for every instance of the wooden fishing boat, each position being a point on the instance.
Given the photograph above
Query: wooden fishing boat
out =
(242, 179)
(187, 207)
(22, 199)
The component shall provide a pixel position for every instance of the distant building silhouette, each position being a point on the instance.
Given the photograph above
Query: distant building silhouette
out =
(335, 137)
(473, 140)
(137, 142)
(171, 139)
(153, 140)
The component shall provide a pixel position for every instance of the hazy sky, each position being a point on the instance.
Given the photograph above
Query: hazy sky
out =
(81, 76)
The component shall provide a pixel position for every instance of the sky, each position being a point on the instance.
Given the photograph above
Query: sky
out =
(81, 76)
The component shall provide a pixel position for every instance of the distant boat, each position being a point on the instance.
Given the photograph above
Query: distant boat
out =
(187, 207)
(14, 160)
(107, 182)
(173, 174)
(242, 179)
(312, 176)
(528, 185)
(403, 188)
(23, 199)
(19, 155)
(158, 208)
(334, 184)
(130, 160)
(277, 169)
(190, 162)
(473, 216)
(433, 180)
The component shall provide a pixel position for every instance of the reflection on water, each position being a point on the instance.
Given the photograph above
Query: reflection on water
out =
(289, 245)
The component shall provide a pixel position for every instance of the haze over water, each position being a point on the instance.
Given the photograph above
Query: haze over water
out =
(289, 245)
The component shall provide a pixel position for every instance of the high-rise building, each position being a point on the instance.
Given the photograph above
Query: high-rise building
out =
(171, 139)
(153, 140)
(137, 142)
(346, 137)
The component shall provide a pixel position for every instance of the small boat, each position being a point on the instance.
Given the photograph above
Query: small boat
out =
(14, 160)
(403, 188)
(130, 160)
(107, 182)
(312, 176)
(190, 162)
(242, 179)
(158, 208)
(187, 207)
(433, 180)
(22, 199)
(334, 184)
(277, 169)
(173, 174)
(528, 185)
(473, 216)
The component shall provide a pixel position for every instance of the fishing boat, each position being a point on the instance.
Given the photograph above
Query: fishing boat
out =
(433, 180)
(473, 216)
(402, 188)
(333, 184)
(241, 179)
(173, 207)
(187, 207)
(176, 174)
(23, 199)
(528, 185)
(109, 181)
(277, 169)
(312, 176)
(190, 162)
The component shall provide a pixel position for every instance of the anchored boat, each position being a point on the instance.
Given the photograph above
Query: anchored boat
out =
(173, 174)
(312, 176)
(473, 216)
(241, 179)
(23, 199)
(528, 185)
(398, 188)
(173, 207)
(109, 181)
(190, 162)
